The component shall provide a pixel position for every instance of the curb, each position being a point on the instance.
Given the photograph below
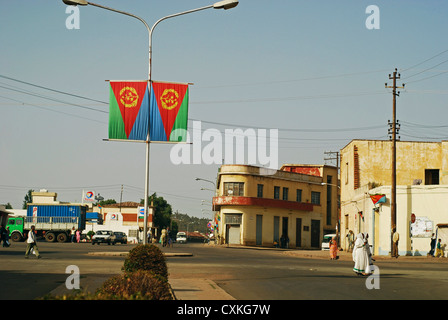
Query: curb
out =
(123, 254)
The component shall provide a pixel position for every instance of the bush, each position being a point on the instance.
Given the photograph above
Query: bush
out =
(137, 285)
(146, 257)
(145, 277)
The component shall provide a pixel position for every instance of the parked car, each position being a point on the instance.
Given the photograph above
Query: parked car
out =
(326, 241)
(104, 236)
(121, 237)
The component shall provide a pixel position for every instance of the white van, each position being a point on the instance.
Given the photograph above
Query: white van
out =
(326, 241)
(181, 237)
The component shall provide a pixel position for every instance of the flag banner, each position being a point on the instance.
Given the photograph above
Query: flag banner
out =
(128, 110)
(378, 198)
(168, 112)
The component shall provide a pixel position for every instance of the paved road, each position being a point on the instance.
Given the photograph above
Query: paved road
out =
(31, 278)
(283, 275)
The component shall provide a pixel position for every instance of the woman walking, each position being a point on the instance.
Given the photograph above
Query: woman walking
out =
(333, 249)
(360, 257)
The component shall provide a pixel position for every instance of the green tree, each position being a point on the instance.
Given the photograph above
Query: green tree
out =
(106, 202)
(162, 211)
(8, 206)
(28, 199)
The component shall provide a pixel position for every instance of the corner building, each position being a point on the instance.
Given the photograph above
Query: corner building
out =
(257, 206)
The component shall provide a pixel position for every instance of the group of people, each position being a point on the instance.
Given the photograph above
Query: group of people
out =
(75, 235)
(362, 257)
(361, 254)
(437, 248)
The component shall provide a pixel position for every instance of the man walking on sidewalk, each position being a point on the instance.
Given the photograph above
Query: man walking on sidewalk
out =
(395, 239)
(32, 244)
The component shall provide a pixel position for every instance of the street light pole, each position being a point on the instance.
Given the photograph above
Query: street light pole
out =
(225, 4)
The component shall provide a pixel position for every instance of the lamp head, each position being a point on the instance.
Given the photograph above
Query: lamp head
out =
(75, 2)
(226, 4)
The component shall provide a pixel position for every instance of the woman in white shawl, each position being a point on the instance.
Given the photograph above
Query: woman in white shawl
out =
(360, 256)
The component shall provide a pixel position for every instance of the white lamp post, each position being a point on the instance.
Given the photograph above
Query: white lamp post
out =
(226, 4)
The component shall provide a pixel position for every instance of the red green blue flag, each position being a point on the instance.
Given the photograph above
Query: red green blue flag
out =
(168, 112)
(378, 198)
(128, 110)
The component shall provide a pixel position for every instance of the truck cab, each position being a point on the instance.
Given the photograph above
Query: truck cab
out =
(15, 225)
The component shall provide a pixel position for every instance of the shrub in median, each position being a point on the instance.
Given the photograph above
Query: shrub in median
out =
(146, 257)
(137, 285)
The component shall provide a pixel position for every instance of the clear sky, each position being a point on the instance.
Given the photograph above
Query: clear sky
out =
(311, 69)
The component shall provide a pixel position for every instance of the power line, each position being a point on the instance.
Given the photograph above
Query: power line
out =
(420, 63)
(53, 90)
(55, 100)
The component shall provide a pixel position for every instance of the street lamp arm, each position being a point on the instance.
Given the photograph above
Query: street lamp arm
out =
(160, 20)
(122, 12)
(179, 14)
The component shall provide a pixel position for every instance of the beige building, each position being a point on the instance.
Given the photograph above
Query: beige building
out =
(422, 179)
(428, 204)
(257, 206)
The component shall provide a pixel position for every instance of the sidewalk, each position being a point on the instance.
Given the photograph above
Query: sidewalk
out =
(342, 255)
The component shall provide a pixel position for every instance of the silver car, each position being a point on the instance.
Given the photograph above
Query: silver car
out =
(104, 236)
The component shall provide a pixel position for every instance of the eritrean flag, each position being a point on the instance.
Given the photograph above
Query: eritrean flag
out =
(378, 198)
(168, 112)
(128, 110)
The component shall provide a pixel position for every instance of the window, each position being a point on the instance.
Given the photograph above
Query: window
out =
(276, 192)
(431, 176)
(315, 197)
(259, 190)
(233, 188)
(299, 195)
(285, 193)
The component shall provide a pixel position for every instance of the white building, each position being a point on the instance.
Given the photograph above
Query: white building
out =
(427, 203)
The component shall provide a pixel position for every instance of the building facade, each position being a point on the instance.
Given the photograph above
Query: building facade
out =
(422, 176)
(426, 205)
(262, 207)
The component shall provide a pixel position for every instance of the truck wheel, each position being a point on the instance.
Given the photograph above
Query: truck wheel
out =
(62, 237)
(50, 237)
(16, 237)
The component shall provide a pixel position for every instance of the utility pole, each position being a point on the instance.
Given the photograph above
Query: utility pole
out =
(334, 155)
(121, 196)
(394, 128)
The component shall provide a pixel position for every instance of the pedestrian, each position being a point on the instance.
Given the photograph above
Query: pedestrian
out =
(78, 236)
(72, 234)
(351, 240)
(432, 244)
(395, 239)
(31, 244)
(369, 253)
(149, 236)
(333, 249)
(360, 257)
(2, 234)
(6, 238)
(439, 251)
